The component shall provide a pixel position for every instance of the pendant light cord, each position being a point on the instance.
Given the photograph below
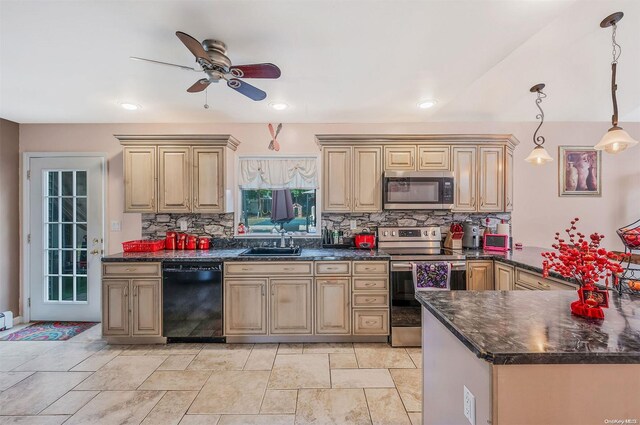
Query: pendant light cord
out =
(539, 140)
(616, 52)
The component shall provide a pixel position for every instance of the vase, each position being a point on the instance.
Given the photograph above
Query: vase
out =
(571, 178)
(592, 182)
(583, 309)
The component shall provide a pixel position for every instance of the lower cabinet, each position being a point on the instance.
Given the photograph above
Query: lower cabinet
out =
(115, 307)
(333, 306)
(132, 307)
(479, 275)
(245, 306)
(370, 322)
(291, 306)
(504, 276)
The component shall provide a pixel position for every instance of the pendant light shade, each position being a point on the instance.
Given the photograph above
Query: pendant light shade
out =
(539, 156)
(615, 140)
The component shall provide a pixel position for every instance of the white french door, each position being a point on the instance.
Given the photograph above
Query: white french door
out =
(66, 223)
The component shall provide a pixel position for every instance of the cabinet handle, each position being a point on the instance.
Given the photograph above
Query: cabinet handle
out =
(130, 269)
(288, 268)
(369, 284)
(481, 202)
(126, 291)
(544, 285)
(246, 269)
(473, 202)
(262, 290)
(369, 322)
(135, 291)
(470, 273)
(369, 300)
(331, 268)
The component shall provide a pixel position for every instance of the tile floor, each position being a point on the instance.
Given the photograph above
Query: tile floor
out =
(85, 381)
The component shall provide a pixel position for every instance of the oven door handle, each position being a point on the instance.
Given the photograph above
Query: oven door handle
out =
(400, 267)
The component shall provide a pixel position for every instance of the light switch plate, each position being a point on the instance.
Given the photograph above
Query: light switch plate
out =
(116, 226)
(469, 406)
(353, 224)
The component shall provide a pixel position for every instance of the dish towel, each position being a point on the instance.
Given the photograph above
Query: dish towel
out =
(431, 276)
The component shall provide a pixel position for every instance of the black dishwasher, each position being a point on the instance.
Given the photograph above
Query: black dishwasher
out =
(192, 302)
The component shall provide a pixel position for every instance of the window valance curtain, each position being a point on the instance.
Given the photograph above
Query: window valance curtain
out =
(279, 173)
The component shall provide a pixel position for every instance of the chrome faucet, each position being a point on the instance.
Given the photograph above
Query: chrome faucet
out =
(282, 243)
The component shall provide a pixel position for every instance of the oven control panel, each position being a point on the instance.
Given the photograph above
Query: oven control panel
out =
(409, 234)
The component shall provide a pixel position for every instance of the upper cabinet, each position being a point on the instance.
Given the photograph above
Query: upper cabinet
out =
(178, 174)
(465, 178)
(417, 157)
(400, 158)
(367, 179)
(479, 178)
(336, 179)
(491, 181)
(434, 158)
(508, 180)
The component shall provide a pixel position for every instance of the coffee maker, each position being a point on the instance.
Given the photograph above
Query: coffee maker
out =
(471, 238)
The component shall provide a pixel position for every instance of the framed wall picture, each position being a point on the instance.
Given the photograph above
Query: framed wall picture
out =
(579, 173)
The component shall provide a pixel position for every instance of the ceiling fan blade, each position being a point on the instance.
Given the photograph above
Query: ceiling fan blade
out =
(246, 89)
(194, 46)
(188, 68)
(199, 85)
(257, 70)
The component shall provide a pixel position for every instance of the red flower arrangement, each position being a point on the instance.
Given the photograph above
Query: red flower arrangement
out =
(583, 259)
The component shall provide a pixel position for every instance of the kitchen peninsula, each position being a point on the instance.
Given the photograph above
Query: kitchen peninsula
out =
(523, 356)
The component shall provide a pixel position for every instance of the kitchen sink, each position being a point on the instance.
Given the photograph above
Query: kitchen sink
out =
(271, 251)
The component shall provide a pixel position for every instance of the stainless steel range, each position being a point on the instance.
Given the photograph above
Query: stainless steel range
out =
(407, 245)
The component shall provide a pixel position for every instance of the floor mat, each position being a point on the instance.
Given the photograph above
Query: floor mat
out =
(49, 331)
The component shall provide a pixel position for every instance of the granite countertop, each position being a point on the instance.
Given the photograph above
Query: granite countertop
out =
(537, 327)
(308, 254)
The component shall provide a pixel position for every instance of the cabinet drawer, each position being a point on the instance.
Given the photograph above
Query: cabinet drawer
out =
(534, 280)
(370, 283)
(371, 322)
(333, 267)
(267, 268)
(370, 299)
(371, 267)
(131, 269)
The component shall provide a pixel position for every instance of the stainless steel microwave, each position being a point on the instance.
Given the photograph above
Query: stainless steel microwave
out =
(417, 190)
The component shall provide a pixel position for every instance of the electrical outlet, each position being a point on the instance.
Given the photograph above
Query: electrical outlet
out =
(183, 225)
(116, 226)
(469, 406)
(353, 224)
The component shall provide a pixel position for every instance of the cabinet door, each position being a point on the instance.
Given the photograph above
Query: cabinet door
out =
(174, 179)
(464, 169)
(140, 179)
(290, 306)
(479, 275)
(245, 306)
(336, 179)
(504, 277)
(115, 307)
(146, 307)
(400, 158)
(491, 179)
(508, 180)
(208, 180)
(434, 158)
(333, 306)
(367, 178)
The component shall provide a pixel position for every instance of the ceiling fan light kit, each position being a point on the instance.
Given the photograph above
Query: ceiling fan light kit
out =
(130, 106)
(426, 104)
(279, 106)
(615, 139)
(539, 154)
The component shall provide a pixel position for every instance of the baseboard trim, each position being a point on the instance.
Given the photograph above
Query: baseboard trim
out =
(239, 339)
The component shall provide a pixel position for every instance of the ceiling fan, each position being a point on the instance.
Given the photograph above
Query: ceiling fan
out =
(213, 61)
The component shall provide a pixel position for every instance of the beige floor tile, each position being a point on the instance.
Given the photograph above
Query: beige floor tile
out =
(343, 361)
(409, 385)
(200, 419)
(32, 420)
(416, 418)
(290, 349)
(375, 356)
(231, 392)
(27, 348)
(222, 357)
(137, 350)
(90, 335)
(385, 407)
(328, 347)
(61, 358)
(361, 378)
(9, 379)
(97, 360)
(176, 380)
(176, 348)
(10, 362)
(177, 362)
(417, 359)
(170, 408)
(261, 357)
(293, 371)
(70, 403)
(279, 402)
(117, 408)
(122, 373)
(256, 420)
(332, 406)
(38, 391)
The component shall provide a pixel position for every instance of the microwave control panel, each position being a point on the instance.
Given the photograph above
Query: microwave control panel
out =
(447, 191)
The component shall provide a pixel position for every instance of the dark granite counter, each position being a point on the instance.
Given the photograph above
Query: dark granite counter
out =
(308, 254)
(537, 327)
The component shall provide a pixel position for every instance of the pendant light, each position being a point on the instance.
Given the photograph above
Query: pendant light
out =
(616, 139)
(539, 154)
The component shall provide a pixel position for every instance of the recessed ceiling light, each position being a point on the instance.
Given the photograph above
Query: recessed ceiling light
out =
(426, 104)
(130, 106)
(279, 106)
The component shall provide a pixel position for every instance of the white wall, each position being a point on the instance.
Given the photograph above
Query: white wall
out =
(538, 214)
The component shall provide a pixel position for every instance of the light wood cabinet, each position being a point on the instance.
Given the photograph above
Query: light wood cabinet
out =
(400, 158)
(115, 307)
(504, 276)
(531, 280)
(336, 179)
(245, 306)
(208, 180)
(291, 306)
(491, 188)
(140, 179)
(146, 307)
(333, 306)
(508, 180)
(174, 179)
(370, 322)
(367, 179)
(434, 158)
(465, 175)
(479, 275)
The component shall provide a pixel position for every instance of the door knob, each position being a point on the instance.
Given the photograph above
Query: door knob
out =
(94, 251)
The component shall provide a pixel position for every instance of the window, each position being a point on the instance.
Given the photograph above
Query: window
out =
(258, 211)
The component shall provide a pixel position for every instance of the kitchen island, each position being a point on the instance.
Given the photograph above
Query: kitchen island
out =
(527, 360)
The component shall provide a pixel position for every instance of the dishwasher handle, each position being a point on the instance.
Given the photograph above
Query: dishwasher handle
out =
(193, 268)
